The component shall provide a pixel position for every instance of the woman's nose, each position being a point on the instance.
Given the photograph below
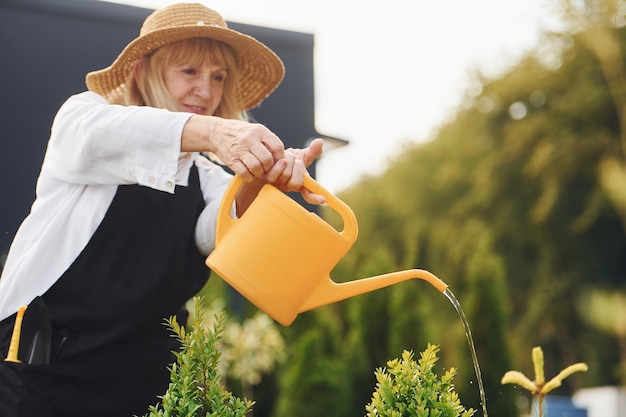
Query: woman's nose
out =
(202, 87)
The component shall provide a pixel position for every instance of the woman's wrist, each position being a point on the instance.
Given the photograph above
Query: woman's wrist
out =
(197, 135)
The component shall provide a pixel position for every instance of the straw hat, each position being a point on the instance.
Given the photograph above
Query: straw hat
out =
(261, 70)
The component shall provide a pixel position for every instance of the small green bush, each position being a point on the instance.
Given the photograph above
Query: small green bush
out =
(195, 387)
(406, 388)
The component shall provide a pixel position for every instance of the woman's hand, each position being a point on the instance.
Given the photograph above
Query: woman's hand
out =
(254, 153)
(250, 150)
(288, 174)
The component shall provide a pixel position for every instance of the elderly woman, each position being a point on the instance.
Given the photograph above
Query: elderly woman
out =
(126, 209)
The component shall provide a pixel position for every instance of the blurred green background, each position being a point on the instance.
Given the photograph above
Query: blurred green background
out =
(519, 204)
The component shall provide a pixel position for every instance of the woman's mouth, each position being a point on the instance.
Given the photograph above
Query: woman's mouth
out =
(195, 109)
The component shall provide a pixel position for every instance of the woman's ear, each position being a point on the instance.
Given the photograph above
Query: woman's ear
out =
(138, 66)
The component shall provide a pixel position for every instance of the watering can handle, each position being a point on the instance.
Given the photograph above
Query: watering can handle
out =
(225, 221)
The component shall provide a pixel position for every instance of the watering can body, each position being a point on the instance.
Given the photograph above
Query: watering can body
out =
(279, 255)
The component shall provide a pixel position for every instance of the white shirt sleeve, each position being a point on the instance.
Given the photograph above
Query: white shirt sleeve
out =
(94, 142)
(214, 181)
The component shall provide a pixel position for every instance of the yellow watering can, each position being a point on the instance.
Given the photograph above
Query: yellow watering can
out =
(279, 255)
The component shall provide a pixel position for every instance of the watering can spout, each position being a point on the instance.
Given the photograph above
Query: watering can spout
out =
(328, 291)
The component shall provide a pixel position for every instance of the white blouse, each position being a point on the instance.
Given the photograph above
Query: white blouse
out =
(94, 147)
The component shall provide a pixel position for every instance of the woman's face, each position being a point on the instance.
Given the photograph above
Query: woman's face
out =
(197, 88)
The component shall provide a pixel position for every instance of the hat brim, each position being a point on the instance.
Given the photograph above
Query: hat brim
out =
(260, 69)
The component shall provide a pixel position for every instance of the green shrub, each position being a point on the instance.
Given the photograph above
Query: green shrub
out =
(406, 388)
(195, 387)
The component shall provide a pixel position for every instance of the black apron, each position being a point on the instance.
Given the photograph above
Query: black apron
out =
(110, 347)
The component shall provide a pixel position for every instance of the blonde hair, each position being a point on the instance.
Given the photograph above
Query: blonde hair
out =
(145, 86)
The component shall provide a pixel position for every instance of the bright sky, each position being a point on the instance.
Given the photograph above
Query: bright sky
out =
(390, 72)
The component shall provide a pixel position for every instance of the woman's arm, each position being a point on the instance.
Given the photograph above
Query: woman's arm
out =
(94, 142)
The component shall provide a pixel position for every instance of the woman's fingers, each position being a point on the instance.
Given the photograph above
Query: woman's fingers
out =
(253, 152)
(249, 149)
(312, 198)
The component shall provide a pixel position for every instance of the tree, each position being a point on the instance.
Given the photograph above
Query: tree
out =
(508, 205)
(597, 24)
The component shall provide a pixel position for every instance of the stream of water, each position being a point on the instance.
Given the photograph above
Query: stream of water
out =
(470, 341)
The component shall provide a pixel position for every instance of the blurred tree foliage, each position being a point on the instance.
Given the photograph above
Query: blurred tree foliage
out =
(519, 204)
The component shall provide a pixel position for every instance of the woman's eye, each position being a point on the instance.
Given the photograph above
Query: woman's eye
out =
(190, 71)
